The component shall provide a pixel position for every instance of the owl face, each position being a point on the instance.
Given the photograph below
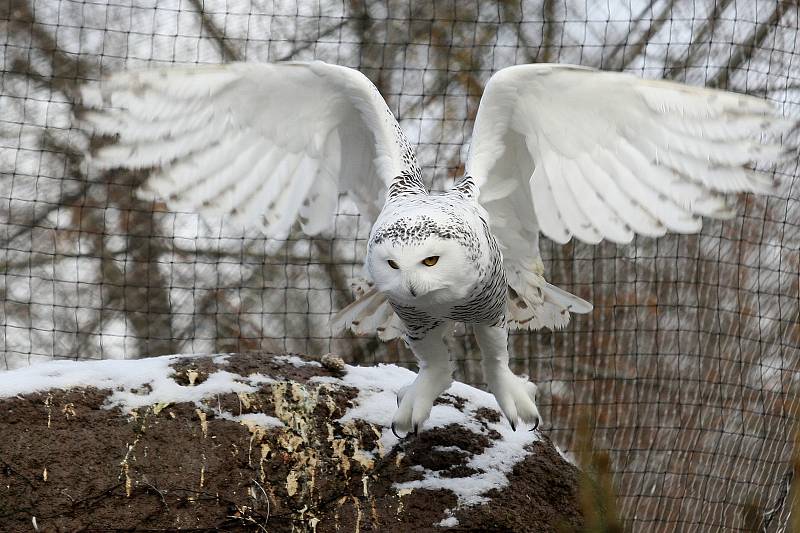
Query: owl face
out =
(435, 270)
(416, 262)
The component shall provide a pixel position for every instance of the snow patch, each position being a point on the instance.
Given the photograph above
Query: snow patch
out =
(567, 456)
(450, 521)
(142, 382)
(492, 466)
(377, 402)
(254, 419)
(260, 379)
(446, 449)
(295, 361)
(221, 359)
(135, 383)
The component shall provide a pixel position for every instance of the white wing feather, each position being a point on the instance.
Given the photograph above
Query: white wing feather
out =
(611, 155)
(571, 151)
(265, 143)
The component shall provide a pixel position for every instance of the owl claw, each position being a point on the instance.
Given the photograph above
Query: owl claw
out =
(516, 398)
(415, 432)
(416, 400)
(535, 425)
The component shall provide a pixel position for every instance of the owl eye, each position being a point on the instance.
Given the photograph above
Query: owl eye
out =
(430, 261)
(393, 264)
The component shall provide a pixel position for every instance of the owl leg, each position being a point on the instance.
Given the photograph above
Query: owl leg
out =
(434, 377)
(516, 396)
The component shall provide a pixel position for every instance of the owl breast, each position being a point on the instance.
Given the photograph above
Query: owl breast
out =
(486, 302)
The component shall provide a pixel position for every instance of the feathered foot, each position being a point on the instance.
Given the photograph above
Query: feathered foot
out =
(416, 400)
(516, 397)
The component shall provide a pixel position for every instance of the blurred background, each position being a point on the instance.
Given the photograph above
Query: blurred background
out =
(689, 363)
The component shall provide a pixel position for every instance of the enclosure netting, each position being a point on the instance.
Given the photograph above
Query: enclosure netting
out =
(690, 358)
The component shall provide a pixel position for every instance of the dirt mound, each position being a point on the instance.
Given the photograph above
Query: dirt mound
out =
(257, 442)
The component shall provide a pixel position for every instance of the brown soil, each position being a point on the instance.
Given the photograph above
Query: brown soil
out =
(77, 466)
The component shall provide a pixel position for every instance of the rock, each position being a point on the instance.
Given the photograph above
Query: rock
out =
(258, 442)
(333, 362)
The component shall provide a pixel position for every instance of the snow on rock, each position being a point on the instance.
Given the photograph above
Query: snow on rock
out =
(377, 401)
(135, 383)
(254, 419)
(450, 521)
(295, 360)
(465, 450)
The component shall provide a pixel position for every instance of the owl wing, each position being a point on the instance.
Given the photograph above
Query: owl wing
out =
(264, 143)
(571, 151)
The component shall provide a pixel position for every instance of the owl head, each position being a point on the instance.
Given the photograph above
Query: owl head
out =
(425, 257)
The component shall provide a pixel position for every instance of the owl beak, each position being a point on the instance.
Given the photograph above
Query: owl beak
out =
(412, 289)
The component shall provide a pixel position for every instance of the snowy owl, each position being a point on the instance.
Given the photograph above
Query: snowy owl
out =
(557, 149)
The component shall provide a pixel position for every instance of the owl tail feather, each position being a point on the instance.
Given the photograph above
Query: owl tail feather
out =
(566, 300)
(551, 309)
(369, 314)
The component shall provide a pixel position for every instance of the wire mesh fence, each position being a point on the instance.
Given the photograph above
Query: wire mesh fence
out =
(690, 358)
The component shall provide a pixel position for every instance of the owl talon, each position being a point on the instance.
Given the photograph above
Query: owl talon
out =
(395, 432)
(516, 398)
(535, 425)
(416, 400)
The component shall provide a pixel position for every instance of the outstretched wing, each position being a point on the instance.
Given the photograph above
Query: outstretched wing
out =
(265, 143)
(571, 151)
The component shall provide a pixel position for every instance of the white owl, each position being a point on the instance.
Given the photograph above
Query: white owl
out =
(562, 150)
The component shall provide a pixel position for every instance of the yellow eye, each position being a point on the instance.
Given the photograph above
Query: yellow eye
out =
(393, 264)
(430, 261)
